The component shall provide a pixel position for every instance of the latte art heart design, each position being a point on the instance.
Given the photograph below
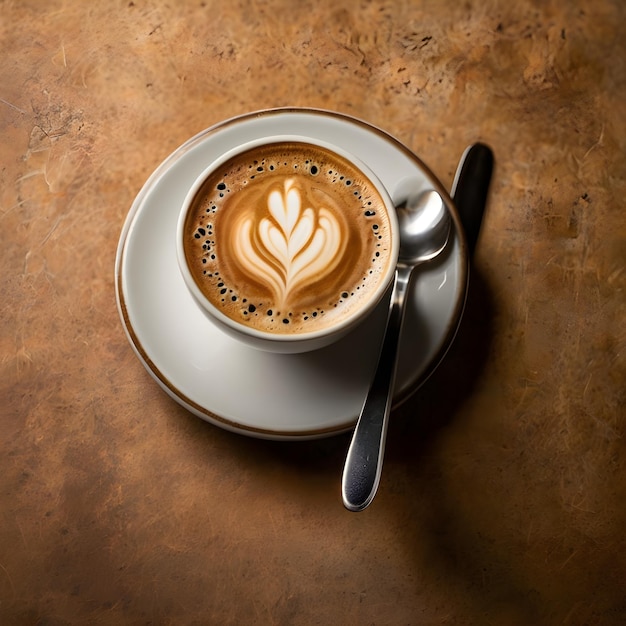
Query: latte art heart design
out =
(292, 245)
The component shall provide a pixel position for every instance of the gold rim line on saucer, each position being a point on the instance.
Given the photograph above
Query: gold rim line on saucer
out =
(202, 411)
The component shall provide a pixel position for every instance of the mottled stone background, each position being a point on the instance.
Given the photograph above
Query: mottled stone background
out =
(503, 498)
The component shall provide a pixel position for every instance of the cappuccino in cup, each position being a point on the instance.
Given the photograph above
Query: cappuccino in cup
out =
(288, 239)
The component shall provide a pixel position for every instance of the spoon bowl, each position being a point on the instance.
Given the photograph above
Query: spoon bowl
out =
(425, 225)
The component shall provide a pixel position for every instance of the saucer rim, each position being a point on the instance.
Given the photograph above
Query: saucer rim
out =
(203, 412)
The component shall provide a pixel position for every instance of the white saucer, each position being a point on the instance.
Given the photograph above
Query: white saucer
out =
(256, 393)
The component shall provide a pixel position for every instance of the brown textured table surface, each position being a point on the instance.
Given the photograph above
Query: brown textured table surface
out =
(503, 497)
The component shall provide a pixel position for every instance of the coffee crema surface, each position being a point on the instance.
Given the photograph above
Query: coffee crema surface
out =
(288, 238)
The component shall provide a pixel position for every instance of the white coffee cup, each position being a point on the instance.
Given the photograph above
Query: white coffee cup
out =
(288, 220)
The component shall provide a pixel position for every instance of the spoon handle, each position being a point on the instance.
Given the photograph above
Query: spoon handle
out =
(364, 461)
(470, 189)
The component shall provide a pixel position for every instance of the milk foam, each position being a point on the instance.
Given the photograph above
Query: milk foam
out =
(292, 245)
(288, 238)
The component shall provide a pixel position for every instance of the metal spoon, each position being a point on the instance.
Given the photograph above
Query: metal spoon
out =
(424, 232)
